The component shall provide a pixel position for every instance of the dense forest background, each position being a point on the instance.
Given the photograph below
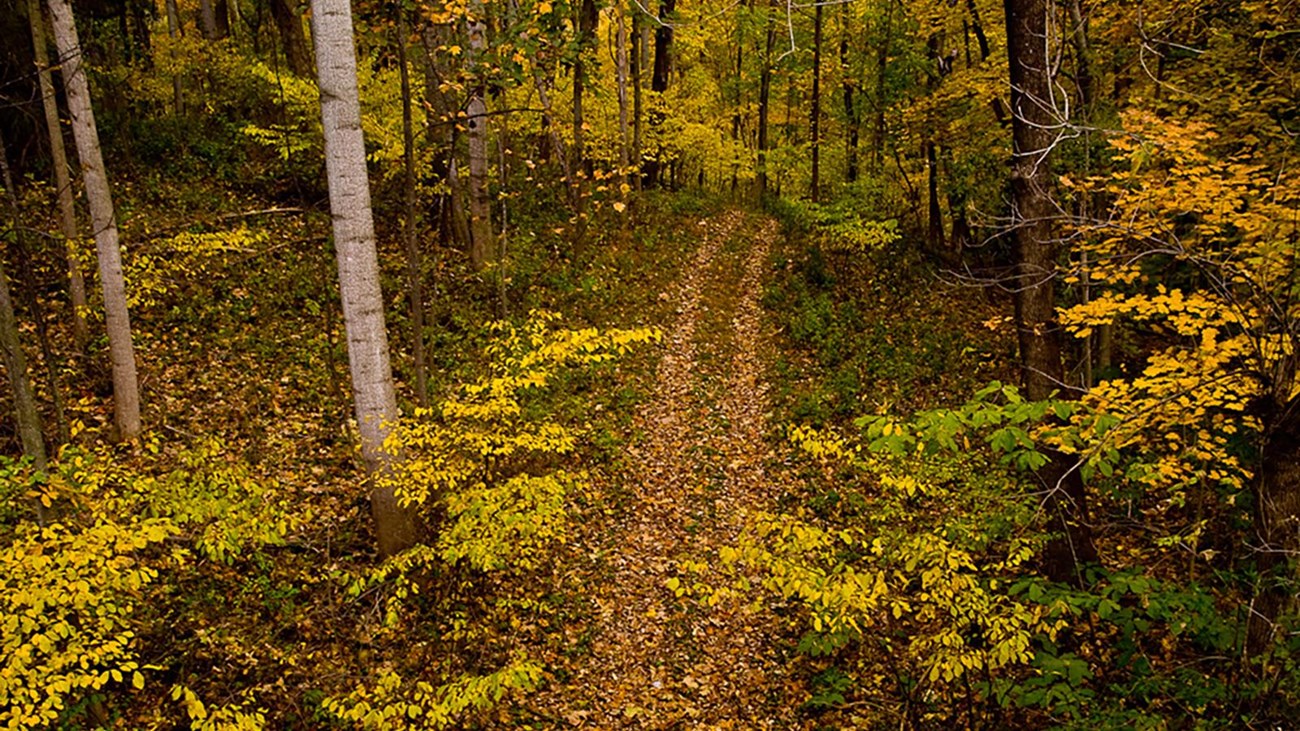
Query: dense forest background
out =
(649, 364)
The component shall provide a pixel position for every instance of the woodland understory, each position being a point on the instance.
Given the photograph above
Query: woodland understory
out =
(649, 364)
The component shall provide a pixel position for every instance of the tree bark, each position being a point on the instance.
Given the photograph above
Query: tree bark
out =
(852, 123)
(1277, 519)
(652, 169)
(935, 236)
(481, 247)
(62, 180)
(288, 23)
(26, 417)
(126, 388)
(414, 266)
(441, 116)
(663, 47)
(221, 10)
(586, 30)
(354, 243)
(1035, 245)
(815, 125)
(174, 32)
(882, 66)
(764, 103)
(638, 52)
(208, 20)
(620, 44)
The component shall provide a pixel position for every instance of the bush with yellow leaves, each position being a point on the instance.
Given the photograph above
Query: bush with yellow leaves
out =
(483, 467)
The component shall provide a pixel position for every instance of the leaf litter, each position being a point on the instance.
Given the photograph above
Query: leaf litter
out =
(655, 660)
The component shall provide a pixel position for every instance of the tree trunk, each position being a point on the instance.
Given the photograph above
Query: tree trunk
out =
(441, 113)
(882, 66)
(586, 30)
(1035, 245)
(852, 123)
(663, 47)
(126, 388)
(1277, 518)
(480, 206)
(174, 32)
(26, 417)
(638, 52)
(739, 102)
(652, 169)
(221, 10)
(288, 22)
(208, 20)
(815, 125)
(31, 300)
(764, 104)
(414, 267)
(934, 213)
(354, 243)
(620, 44)
(62, 181)
(977, 26)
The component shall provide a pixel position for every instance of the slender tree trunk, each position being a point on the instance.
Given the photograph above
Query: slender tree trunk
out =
(961, 233)
(441, 114)
(739, 101)
(221, 11)
(977, 27)
(288, 22)
(659, 78)
(586, 25)
(815, 125)
(764, 103)
(935, 214)
(174, 32)
(208, 20)
(882, 67)
(638, 53)
(1035, 243)
(414, 267)
(620, 44)
(1277, 519)
(140, 35)
(62, 181)
(663, 46)
(126, 388)
(556, 144)
(31, 299)
(481, 247)
(852, 123)
(354, 243)
(26, 417)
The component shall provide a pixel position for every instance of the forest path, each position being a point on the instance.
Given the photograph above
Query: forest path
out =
(656, 661)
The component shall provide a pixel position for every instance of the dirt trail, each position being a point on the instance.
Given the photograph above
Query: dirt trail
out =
(658, 662)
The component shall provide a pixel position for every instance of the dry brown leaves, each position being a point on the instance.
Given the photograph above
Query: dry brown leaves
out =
(656, 661)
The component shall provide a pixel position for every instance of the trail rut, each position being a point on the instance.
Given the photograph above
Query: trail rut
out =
(656, 661)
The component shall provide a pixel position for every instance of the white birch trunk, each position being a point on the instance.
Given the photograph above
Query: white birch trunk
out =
(354, 243)
(126, 388)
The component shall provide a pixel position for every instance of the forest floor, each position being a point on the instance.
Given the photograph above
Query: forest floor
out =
(655, 660)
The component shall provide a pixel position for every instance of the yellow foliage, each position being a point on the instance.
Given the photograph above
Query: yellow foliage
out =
(898, 568)
(67, 597)
(393, 702)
